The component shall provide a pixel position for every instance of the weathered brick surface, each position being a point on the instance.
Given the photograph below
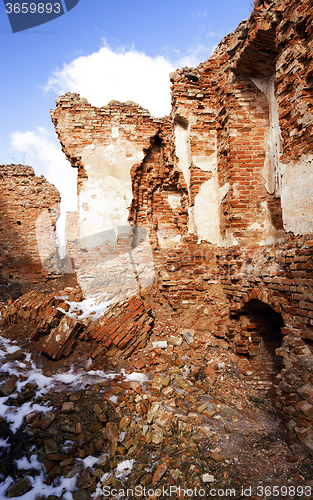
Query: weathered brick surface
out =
(213, 184)
(78, 124)
(264, 311)
(29, 209)
(125, 327)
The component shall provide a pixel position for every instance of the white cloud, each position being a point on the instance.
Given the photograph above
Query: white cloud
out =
(47, 159)
(106, 75)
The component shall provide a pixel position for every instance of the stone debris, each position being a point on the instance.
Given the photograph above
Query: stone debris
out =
(62, 338)
(165, 424)
(13, 356)
(159, 344)
(9, 386)
(19, 488)
(125, 327)
(208, 478)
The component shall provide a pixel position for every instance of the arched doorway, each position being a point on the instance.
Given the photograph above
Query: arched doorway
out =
(258, 337)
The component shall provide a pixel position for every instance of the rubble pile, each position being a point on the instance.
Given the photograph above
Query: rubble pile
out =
(125, 327)
(185, 418)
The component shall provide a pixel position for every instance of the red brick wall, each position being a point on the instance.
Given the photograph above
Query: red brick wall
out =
(24, 199)
(227, 291)
(257, 300)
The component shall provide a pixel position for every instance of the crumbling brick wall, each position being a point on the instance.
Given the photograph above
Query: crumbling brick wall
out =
(123, 141)
(255, 94)
(29, 208)
(130, 195)
(225, 187)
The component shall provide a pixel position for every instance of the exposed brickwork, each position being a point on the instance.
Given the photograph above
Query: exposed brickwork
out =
(269, 29)
(79, 124)
(264, 312)
(125, 327)
(223, 176)
(29, 209)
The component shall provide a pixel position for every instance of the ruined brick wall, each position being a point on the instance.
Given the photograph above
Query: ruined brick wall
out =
(29, 208)
(130, 195)
(264, 311)
(224, 186)
(125, 158)
(257, 84)
(235, 152)
(255, 94)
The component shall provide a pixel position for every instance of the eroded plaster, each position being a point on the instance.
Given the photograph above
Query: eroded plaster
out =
(272, 173)
(204, 216)
(107, 192)
(182, 147)
(174, 200)
(166, 240)
(297, 196)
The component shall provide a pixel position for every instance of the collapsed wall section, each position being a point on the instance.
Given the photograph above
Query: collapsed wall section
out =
(130, 195)
(29, 210)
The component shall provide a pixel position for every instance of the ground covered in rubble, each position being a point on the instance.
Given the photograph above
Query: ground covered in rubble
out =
(177, 418)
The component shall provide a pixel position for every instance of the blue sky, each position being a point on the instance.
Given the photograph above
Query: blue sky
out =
(123, 49)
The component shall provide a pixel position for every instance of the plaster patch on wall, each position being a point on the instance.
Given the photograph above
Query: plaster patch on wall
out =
(110, 209)
(204, 218)
(174, 200)
(272, 168)
(206, 213)
(192, 227)
(230, 240)
(256, 226)
(222, 192)
(233, 132)
(165, 241)
(115, 160)
(271, 235)
(108, 190)
(236, 192)
(268, 171)
(182, 146)
(115, 132)
(297, 196)
(206, 163)
(47, 239)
